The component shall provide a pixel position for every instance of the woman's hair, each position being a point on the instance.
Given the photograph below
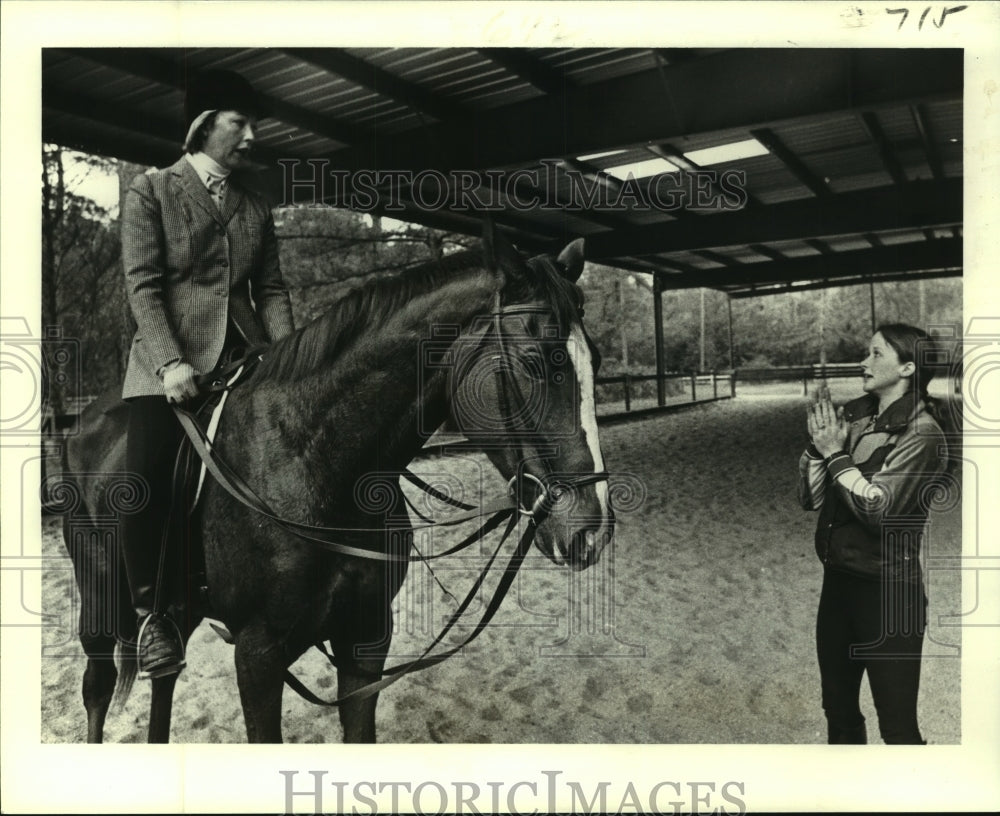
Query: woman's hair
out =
(197, 140)
(912, 345)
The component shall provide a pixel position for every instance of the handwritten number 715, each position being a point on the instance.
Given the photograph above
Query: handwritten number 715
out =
(937, 23)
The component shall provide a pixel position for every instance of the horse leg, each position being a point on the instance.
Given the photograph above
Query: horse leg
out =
(359, 664)
(98, 686)
(357, 717)
(161, 706)
(260, 673)
(96, 623)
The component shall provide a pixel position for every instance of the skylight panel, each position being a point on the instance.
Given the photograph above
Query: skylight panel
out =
(642, 169)
(733, 151)
(592, 156)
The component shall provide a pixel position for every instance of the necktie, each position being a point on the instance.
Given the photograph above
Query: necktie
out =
(217, 189)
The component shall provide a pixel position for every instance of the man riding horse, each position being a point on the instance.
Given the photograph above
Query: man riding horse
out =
(195, 245)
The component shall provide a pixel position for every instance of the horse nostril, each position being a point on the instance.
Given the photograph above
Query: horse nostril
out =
(584, 548)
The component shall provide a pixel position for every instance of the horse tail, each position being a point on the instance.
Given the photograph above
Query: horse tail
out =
(127, 663)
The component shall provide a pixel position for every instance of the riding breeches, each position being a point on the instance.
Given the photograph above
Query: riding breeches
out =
(872, 626)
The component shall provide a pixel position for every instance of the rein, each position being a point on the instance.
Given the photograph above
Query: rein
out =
(499, 510)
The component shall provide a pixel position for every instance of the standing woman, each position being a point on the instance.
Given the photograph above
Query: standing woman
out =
(868, 470)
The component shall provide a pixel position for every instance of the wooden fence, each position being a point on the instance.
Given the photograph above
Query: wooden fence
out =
(690, 388)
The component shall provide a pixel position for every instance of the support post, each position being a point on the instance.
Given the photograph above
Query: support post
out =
(661, 392)
(871, 296)
(701, 342)
(732, 352)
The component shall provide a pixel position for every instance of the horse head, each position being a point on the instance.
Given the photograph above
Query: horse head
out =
(523, 387)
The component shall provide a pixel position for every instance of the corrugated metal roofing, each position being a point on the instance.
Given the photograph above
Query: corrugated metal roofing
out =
(493, 109)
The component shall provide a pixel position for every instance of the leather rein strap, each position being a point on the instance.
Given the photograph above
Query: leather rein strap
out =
(498, 510)
(234, 484)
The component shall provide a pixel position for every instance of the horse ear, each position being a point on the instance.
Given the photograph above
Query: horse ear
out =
(572, 260)
(499, 253)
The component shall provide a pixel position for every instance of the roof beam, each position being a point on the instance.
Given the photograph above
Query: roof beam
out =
(624, 110)
(405, 207)
(120, 145)
(767, 252)
(927, 140)
(923, 204)
(639, 265)
(858, 280)
(820, 246)
(147, 65)
(614, 220)
(885, 152)
(919, 256)
(717, 257)
(339, 62)
(140, 126)
(795, 165)
(520, 63)
(674, 56)
(676, 157)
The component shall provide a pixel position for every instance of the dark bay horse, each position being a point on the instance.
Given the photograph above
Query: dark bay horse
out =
(497, 349)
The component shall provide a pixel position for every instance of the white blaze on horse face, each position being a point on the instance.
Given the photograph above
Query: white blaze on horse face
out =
(579, 355)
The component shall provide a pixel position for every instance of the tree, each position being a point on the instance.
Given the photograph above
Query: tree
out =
(326, 252)
(82, 293)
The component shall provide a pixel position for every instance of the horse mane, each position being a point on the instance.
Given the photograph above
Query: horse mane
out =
(323, 339)
(549, 285)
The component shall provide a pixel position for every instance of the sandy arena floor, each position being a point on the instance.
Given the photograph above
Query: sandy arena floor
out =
(698, 628)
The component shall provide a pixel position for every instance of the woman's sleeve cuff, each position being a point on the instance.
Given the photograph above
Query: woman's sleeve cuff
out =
(838, 462)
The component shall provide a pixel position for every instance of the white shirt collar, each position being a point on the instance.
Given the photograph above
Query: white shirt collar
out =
(206, 167)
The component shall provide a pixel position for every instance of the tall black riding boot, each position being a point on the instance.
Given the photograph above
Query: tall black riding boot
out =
(855, 735)
(150, 451)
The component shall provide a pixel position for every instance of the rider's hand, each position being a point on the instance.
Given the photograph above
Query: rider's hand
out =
(178, 382)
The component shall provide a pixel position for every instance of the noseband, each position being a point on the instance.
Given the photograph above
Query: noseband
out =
(512, 403)
(549, 494)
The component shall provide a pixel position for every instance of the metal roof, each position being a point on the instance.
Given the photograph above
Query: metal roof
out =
(858, 173)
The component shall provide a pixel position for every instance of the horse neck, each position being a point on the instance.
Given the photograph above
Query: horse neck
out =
(374, 405)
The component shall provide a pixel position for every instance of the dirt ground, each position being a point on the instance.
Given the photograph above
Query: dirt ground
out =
(697, 628)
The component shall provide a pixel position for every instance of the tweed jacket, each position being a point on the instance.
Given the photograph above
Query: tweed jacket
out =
(191, 270)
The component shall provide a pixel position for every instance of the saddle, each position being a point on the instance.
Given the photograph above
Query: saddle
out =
(104, 427)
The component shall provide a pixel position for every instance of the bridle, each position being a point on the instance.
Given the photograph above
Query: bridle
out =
(512, 403)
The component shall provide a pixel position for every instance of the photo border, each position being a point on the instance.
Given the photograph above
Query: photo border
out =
(238, 778)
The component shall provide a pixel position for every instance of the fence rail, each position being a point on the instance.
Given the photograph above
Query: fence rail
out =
(723, 384)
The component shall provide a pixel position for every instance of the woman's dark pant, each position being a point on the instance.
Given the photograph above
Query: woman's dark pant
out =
(878, 627)
(154, 436)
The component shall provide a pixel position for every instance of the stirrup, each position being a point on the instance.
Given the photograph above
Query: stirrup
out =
(161, 669)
